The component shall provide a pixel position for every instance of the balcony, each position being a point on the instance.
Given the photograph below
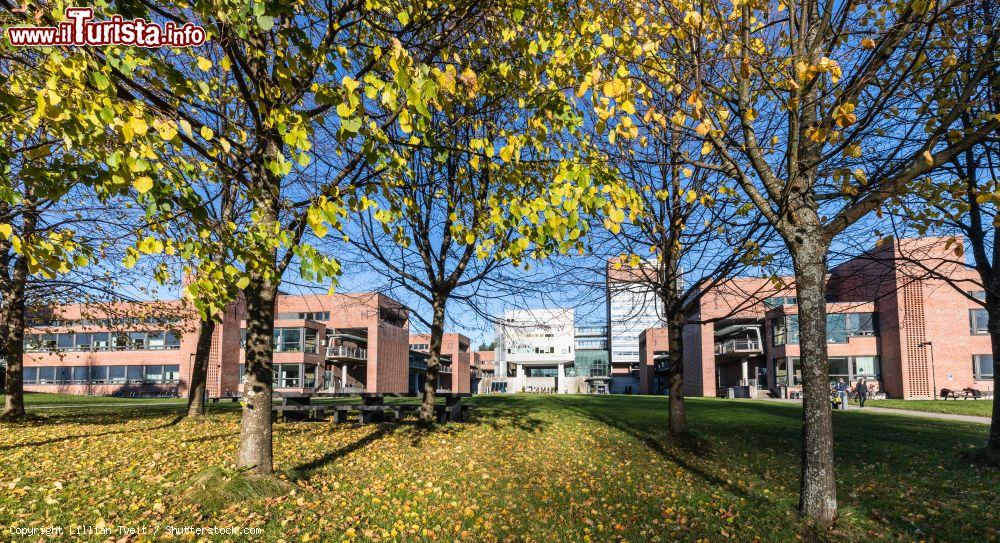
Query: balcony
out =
(738, 346)
(340, 353)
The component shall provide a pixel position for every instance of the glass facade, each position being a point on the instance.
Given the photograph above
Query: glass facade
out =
(290, 340)
(839, 327)
(848, 368)
(101, 341)
(155, 374)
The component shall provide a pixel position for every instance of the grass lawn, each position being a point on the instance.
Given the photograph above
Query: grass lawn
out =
(528, 468)
(979, 408)
(40, 400)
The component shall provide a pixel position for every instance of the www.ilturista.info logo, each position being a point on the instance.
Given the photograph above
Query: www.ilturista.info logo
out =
(79, 28)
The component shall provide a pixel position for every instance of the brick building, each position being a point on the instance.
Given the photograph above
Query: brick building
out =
(888, 320)
(348, 342)
(455, 374)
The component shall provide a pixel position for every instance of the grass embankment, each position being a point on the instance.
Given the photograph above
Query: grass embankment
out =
(528, 468)
(979, 408)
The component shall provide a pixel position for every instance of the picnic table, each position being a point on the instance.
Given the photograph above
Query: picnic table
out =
(300, 406)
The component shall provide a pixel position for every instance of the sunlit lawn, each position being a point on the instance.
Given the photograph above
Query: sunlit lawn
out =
(979, 408)
(528, 468)
(39, 400)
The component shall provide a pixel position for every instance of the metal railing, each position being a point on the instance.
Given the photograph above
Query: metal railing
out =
(336, 351)
(738, 346)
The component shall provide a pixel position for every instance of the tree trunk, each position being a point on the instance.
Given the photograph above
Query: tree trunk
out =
(255, 452)
(818, 493)
(13, 317)
(199, 372)
(993, 442)
(677, 418)
(433, 365)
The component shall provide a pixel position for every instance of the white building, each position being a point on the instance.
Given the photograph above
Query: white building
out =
(632, 308)
(533, 349)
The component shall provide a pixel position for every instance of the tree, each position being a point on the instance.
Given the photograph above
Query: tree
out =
(489, 180)
(820, 112)
(300, 134)
(858, 89)
(963, 198)
(63, 130)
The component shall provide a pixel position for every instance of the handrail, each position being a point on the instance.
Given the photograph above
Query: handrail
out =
(346, 352)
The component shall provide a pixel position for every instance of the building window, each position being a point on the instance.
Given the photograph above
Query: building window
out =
(979, 321)
(869, 367)
(978, 294)
(171, 341)
(116, 374)
(311, 343)
(836, 328)
(778, 301)
(134, 375)
(982, 367)
(785, 330)
(286, 375)
(291, 340)
(155, 341)
(30, 376)
(99, 375)
(66, 341)
(862, 324)
(154, 374)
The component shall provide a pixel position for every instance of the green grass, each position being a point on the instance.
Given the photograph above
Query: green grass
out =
(39, 400)
(979, 408)
(527, 468)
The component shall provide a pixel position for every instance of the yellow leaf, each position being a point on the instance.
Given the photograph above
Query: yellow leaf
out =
(138, 125)
(6, 230)
(206, 132)
(868, 43)
(928, 158)
(143, 184)
(692, 19)
(204, 64)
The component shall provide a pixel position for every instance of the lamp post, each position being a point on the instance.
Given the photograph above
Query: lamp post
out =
(934, 394)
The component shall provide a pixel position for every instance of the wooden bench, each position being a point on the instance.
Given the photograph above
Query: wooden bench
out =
(233, 399)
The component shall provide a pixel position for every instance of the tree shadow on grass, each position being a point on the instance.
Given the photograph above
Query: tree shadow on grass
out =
(306, 470)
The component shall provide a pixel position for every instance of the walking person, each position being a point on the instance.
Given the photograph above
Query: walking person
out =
(842, 393)
(862, 390)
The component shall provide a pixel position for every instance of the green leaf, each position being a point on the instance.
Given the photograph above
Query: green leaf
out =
(265, 22)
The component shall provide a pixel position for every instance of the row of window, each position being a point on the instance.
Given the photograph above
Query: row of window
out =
(778, 301)
(111, 322)
(290, 340)
(101, 341)
(839, 327)
(292, 375)
(102, 375)
(306, 315)
(788, 371)
(536, 350)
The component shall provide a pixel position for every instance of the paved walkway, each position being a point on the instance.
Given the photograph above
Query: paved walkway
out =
(924, 414)
(907, 412)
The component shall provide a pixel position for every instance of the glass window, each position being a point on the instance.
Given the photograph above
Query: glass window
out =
(311, 345)
(66, 341)
(83, 342)
(291, 340)
(81, 374)
(309, 376)
(154, 374)
(155, 340)
(121, 341)
(116, 374)
(979, 320)
(839, 367)
(796, 370)
(64, 375)
(48, 342)
(98, 374)
(30, 376)
(869, 367)
(861, 324)
(982, 367)
(134, 374)
(286, 375)
(836, 328)
(277, 339)
(46, 375)
(779, 333)
(171, 373)
(32, 343)
(137, 340)
(171, 341)
(100, 341)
